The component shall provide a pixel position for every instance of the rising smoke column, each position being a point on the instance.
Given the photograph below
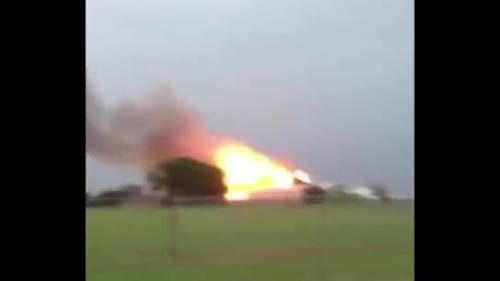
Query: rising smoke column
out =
(143, 133)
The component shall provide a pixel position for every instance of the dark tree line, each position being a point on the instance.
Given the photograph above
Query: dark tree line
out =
(112, 198)
(314, 195)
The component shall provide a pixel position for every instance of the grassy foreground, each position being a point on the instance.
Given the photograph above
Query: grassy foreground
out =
(246, 243)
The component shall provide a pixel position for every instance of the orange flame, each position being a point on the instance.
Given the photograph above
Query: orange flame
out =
(246, 171)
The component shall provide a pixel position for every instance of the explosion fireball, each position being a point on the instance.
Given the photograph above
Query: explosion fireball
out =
(248, 171)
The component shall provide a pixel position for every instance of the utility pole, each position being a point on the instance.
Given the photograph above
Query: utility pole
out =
(172, 224)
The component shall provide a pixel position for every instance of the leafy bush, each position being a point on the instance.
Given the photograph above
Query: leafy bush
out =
(313, 195)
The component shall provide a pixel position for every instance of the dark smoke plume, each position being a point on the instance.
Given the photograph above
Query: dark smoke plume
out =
(145, 132)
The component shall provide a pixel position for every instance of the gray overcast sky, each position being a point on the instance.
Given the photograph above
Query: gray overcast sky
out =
(327, 84)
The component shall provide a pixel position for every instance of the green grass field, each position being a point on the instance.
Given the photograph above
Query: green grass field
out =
(247, 243)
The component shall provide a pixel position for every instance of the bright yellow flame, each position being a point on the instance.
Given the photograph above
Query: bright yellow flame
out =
(247, 171)
(236, 196)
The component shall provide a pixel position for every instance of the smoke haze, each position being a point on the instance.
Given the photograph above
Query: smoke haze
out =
(145, 132)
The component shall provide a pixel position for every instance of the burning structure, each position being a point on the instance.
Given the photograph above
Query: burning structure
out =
(161, 127)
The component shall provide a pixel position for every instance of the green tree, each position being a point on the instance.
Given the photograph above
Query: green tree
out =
(188, 178)
(381, 192)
